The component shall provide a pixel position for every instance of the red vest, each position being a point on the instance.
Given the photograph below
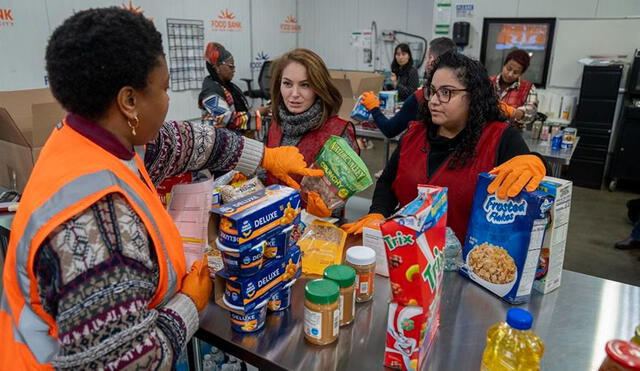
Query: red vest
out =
(312, 142)
(515, 97)
(420, 95)
(461, 182)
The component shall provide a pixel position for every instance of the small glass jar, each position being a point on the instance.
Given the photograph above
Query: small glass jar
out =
(321, 311)
(363, 260)
(345, 277)
(621, 356)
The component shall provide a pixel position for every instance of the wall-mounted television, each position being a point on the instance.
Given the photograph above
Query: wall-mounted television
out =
(534, 35)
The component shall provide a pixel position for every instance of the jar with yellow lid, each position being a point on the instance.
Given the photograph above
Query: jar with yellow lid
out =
(345, 277)
(363, 260)
(321, 311)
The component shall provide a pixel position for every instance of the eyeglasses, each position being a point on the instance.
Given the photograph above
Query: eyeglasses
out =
(444, 93)
(231, 66)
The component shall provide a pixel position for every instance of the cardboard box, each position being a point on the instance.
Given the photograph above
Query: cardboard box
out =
(26, 120)
(351, 84)
(241, 295)
(251, 217)
(549, 272)
(414, 242)
(410, 334)
(504, 239)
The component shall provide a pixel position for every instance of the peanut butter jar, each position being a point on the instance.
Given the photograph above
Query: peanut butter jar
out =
(321, 311)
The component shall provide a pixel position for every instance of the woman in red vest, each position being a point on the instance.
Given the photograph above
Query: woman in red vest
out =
(305, 104)
(462, 135)
(518, 94)
(95, 274)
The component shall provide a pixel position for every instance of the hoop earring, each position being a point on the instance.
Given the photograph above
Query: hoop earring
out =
(134, 127)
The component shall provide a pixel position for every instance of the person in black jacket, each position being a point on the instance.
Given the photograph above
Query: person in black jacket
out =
(405, 76)
(222, 101)
(462, 134)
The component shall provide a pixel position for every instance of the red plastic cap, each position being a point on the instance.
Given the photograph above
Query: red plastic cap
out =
(624, 353)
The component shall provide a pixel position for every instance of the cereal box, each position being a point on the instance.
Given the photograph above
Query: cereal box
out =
(414, 242)
(503, 241)
(360, 112)
(388, 100)
(549, 270)
(410, 334)
(244, 220)
(243, 294)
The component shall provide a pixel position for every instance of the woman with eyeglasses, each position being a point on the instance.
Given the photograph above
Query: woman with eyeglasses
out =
(463, 133)
(222, 100)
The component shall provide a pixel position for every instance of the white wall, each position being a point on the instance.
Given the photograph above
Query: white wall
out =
(328, 24)
(23, 43)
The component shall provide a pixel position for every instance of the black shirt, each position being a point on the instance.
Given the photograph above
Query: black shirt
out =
(384, 200)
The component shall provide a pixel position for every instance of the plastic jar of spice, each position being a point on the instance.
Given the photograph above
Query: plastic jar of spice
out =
(363, 260)
(345, 277)
(621, 356)
(321, 311)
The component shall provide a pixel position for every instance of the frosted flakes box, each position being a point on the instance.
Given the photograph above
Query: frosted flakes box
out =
(503, 241)
(414, 240)
(251, 217)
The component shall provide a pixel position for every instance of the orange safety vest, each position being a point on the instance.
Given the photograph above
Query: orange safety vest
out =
(70, 175)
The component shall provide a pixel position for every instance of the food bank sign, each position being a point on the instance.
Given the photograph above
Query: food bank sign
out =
(226, 22)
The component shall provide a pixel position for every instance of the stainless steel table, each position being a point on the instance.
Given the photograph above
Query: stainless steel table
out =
(555, 157)
(574, 322)
(376, 134)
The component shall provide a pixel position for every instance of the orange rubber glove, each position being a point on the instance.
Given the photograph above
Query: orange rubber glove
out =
(370, 100)
(514, 175)
(371, 220)
(316, 206)
(506, 109)
(197, 284)
(283, 161)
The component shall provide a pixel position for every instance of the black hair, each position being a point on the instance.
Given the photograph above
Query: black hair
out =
(441, 45)
(395, 67)
(95, 53)
(483, 103)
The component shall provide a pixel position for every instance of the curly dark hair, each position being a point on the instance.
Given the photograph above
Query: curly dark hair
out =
(95, 53)
(483, 103)
(395, 66)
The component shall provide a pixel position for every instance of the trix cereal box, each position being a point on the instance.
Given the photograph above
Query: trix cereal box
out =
(243, 220)
(414, 240)
(503, 241)
(410, 333)
(549, 269)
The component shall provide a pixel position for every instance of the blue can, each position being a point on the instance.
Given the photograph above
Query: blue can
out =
(280, 301)
(249, 322)
(556, 142)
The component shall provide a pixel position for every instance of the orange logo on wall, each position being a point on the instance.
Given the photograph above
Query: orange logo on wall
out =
(290, 24)
(226, 22)
(134, 9)
(6, 18)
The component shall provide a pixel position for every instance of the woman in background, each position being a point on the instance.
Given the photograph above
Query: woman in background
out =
(305, 106)
(221, 99)
(405, 76)
(519, 96)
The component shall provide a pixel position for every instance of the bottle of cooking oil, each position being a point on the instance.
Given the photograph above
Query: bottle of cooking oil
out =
(511, 345)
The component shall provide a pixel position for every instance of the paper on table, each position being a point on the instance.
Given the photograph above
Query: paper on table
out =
(189, 206)
(372, 237)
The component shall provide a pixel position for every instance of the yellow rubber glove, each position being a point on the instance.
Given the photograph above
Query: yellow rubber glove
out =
(197, 284)
(506, 109)
(514, 175)
(316, 206)
(370, 100)
(371, 220)
(283, 161)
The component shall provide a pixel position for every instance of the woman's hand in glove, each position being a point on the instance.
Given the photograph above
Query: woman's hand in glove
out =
(316, 206)
(370, 100)
(521, 172)
(371, 220)
(197, 284)
(282, 162)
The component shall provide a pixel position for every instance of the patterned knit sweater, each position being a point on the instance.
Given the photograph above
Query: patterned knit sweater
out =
(98, 271)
